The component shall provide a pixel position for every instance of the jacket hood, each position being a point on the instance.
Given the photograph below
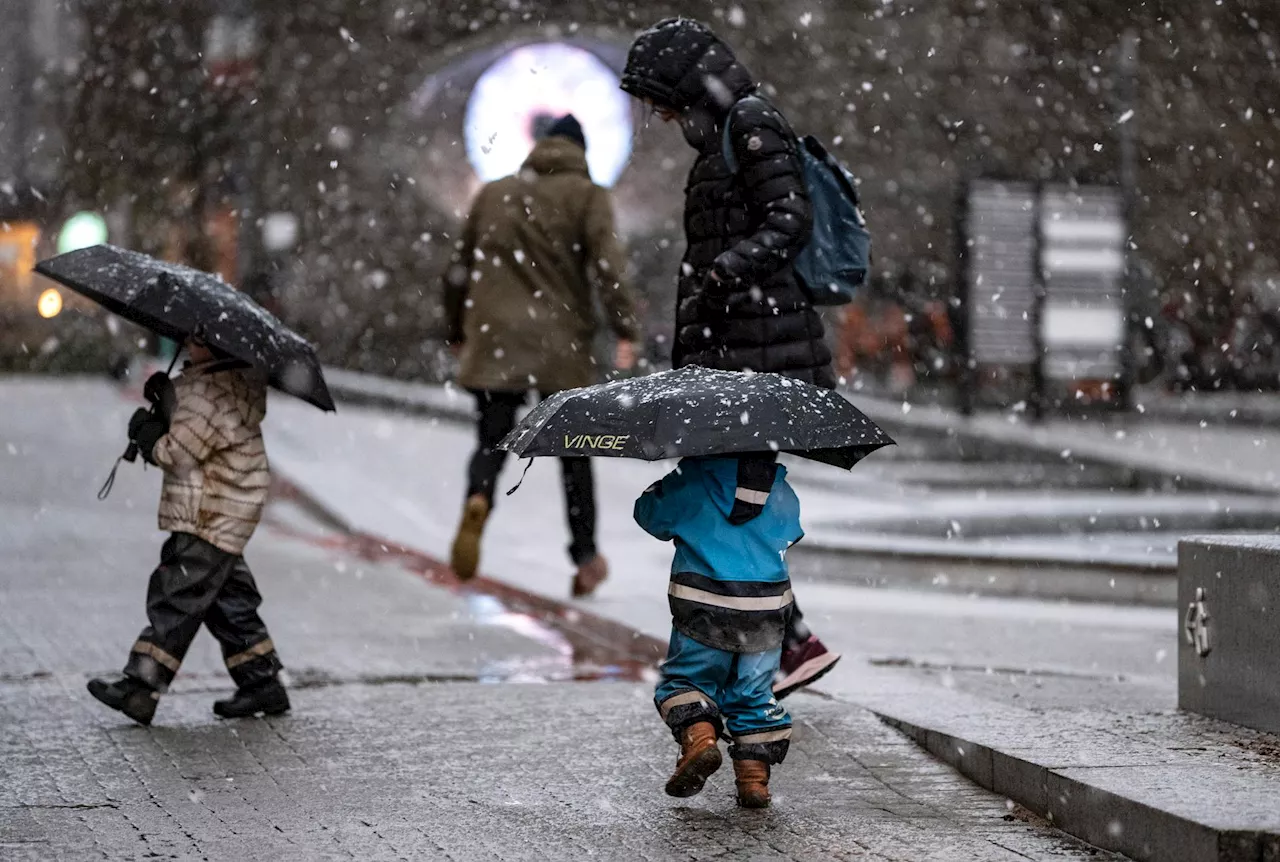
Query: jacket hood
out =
(720, 478)
(251, 403)
(557, 155)
(247, 384)
(681, 64)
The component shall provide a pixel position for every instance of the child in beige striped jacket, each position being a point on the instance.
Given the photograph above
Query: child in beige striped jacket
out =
(205, 433)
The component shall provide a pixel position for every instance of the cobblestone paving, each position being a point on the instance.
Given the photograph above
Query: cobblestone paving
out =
(368, 767)
(466, 772)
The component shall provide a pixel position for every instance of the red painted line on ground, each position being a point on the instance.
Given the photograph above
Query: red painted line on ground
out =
(602, 648)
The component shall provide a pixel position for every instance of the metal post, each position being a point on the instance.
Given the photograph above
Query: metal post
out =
(961, 315)
(1039, 288)
(1128, 121)
(1128, 114)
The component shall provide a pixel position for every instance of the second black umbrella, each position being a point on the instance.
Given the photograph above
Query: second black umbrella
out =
(697, 411)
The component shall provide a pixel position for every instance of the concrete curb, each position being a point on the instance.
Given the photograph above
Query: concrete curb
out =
(1135, 825)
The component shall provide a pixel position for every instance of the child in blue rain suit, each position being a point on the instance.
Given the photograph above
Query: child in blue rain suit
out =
(730, 596)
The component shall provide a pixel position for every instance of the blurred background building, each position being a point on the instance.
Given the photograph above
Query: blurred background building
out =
(34, 58)
(319, 153)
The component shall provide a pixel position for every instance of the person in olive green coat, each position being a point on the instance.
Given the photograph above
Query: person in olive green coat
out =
(536, 252)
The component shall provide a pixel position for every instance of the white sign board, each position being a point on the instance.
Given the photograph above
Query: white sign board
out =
(1082, 260)
(1001, 276)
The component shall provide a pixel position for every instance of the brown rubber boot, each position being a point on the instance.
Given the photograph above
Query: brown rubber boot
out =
(699, 758)
(591, 574)
(464, 557)
(753, 783)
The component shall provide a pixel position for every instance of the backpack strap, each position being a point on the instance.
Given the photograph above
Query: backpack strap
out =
(726, 144)
(726, 140)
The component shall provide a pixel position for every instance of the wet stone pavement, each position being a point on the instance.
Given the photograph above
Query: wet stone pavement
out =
(377, 761)
(468, 771)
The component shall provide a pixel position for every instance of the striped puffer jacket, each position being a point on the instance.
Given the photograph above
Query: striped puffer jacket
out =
(216, 475)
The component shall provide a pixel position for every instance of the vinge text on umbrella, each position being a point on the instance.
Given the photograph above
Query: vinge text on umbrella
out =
(600, 441)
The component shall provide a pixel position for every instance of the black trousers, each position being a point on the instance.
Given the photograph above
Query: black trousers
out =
(197, 583)
(497, 416)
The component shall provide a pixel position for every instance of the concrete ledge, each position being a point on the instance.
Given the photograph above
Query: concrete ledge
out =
(860, 558)
(958, 572)
(859, 536)
(1235, 580)
(1180, 456)
(1147, 796)
(1186, 463)
(1214, 408)
(441, 401)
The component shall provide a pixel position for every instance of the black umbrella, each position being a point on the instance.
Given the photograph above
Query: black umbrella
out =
(179, 302)
(697, 411)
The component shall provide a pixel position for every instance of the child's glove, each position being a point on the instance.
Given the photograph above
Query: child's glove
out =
(756, 474)
(145, 430)
(159, 391)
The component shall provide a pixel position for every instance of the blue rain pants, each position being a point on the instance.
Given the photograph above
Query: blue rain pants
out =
(733, 691)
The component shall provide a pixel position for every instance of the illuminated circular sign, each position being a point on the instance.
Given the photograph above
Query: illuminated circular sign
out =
(82, 230)
(534, 84)
(49, 304)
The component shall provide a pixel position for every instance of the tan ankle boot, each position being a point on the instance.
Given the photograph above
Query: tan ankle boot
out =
(464, 557)
(753, 783)
(699, 758)
(591, 574)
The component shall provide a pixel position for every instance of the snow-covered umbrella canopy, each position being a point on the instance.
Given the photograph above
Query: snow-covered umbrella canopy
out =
(179, 302)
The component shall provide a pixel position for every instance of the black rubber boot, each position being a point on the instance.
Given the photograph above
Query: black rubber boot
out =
(127, 695)
(266, 697)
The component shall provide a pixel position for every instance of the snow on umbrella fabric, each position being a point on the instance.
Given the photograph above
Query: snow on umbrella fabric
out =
(698, 411)
(178, 302)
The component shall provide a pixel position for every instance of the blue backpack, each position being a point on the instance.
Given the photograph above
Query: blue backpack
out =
(837, 258)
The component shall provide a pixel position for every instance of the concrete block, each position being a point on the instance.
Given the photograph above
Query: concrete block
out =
(1132, 787)
(974, 762)
(1197, 811)
(942, 746)
(1238, 679)
(1024, 782)
(1114, 822)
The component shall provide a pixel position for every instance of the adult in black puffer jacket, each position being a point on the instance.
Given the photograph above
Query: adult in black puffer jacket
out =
(741, 305)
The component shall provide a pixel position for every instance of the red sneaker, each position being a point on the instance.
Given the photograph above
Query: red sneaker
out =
(802, 665)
